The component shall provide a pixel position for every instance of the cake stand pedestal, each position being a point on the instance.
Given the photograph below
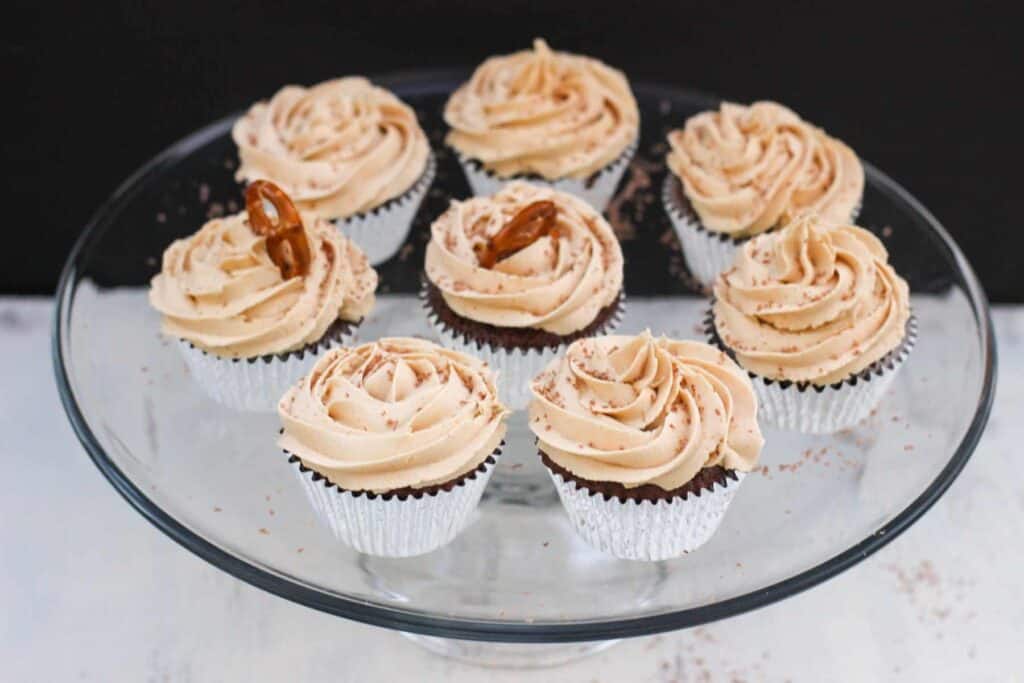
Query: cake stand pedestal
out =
(510, 655)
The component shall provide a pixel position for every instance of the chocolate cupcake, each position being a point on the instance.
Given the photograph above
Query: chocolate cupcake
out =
(819, 318)
(516, 277)
(394, 442)
(253, 303)
(647, 440)
(346, 149)
(553, 118)
(744, 170)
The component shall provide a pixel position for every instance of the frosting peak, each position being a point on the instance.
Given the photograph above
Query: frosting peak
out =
(541, 112)
(391, 414)
(338, 148)
(746, 169)
(639, 410)
(812, 302)
(559, 283)
(220, 290)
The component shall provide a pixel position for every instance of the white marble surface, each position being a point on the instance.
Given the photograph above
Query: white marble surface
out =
(90, 591)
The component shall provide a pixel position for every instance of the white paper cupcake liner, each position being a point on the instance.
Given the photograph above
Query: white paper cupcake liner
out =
(817, 410)
(256, 384)
(707, 254)
(396, 526)
(381, 232)
(646, 530)
(813, 409)
(516, 367)
(597, 190)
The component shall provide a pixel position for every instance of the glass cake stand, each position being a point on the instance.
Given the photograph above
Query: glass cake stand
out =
(518, 577)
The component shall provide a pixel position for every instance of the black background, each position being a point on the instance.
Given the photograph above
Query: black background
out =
(929, 94)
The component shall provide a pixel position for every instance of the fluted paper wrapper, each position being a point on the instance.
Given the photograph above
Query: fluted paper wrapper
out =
(255, 384)
(826, 410)
(813, 412)
(597, 190)
(390, 526)
(516, 367)
(811, 409)
(707, 254)
(646, 530)
(381, 232)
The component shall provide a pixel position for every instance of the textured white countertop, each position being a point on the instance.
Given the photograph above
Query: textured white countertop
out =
(90, 591)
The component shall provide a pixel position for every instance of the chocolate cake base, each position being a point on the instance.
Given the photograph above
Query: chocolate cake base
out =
(338, 329)
(512, 337)
(406, 491)
(478, 165)
(588, 183)
(704, 480)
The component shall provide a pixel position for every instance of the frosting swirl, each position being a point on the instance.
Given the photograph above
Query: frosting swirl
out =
(748, 169)
(811, 303)
(639, 410)
(392, 414)
(558, 284)
(552, 114)
(338, 148)
(219, 290)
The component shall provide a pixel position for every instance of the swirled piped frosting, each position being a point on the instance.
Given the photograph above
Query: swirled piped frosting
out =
(640, 410)
(219, 290)
(552, 114)
(558, 284)
(338, 148)
(811, 303)
(747, 169)
(392, 414)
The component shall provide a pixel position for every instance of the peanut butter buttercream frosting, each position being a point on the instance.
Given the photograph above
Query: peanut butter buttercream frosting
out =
(747, 169)
(339, 148)
(639, 410)
(392, 414)
(546, 113)
(559, 283)
(219, 289)
(812, 303)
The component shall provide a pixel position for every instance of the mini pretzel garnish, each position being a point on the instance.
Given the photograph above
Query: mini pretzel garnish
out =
(287, 245)
(531, 223)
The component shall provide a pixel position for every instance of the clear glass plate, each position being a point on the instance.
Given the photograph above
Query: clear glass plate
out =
(214, 481)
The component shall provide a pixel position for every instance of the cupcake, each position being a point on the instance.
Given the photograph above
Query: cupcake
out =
(348, 150)
(647, 440)
(742, 171)
(516, 277)
(394, 442)
(253, 303)
(563, 120)
(815, 313)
